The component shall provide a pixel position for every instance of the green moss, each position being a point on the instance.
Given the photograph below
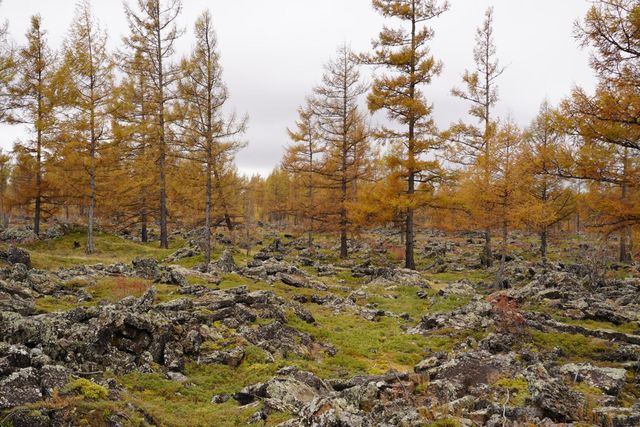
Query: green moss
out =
(87, 389)
(444, 423)
(586, 389)
(518, 389)
(627, 328)
(173, 402)
(362, 346)
(49, 304)
(574, 347)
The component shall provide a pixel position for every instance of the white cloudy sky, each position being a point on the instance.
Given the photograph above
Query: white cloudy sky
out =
(273, 51)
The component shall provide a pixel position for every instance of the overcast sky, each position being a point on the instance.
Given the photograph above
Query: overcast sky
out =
(273, 52)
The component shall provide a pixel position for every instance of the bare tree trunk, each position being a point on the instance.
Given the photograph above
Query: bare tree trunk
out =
(92, 189)
(486, 259)
(164, 237)
(543, 245)
(344, 252)
(409, 261)
(207, 215)
(92, 179)
(38, 207)
(503, 257)
(144, 233)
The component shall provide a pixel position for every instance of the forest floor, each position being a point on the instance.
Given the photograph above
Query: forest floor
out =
(292, 336)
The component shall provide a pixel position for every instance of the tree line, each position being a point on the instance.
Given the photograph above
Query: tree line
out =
(137, 140)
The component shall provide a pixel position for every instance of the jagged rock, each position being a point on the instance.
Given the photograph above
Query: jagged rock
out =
(609, 380)
(302, 313)
(232, 357)
(220, 398)
(182, 253)
(16, 298)
(19, 388)
(279, 338)
(170, 276)
(53, 377)
(475, 315)
(498, 343)
(426, 365)
(145, 267)
(145, 302)
(57, 230)
(16, 255)
(225, 263)
(473, 369)
(457, 289)
(296, 282)
(617, 417)
(18, 235)
(557, 400)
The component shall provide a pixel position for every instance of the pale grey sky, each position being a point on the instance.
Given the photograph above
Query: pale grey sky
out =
(273, 52)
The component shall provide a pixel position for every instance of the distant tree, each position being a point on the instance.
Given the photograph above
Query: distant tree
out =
(471, 142)
(7, 70)
(343, 132)
(210, 135)
(605, 124)
(303, 159)
(153, 33)
(132, 129)
(89, 69)
(33, 102)
(404, 53)
(547, 199)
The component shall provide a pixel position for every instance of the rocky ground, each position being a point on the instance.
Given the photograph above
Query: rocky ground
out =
(291, 336)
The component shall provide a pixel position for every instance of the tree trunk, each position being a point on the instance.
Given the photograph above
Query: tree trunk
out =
(486, 259)
(207, 217)
(92, 189)
(164, 237)
(144, 233)
(543, 245)
(344, 253)
(499, 283)
(409, 261)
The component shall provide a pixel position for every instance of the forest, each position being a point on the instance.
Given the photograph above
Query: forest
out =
(116, 136)
(398, 272)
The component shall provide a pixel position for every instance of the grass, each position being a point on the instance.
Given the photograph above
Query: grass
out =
(574, 347)
(404, 300)
(174, 403)
(632, 328)
(109, 249)
(368, 347)
(108, 289)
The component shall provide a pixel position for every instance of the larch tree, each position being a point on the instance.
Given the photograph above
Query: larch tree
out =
(153, 33)
(606, 149)
(405, 55)
(472, 141)
(547, 199)
(343, 131)
(303, 159)
(132, 131)
(506, 180)
(90, 69)
(210, 134)
(607, 121)
(33, 103)
(7, 70)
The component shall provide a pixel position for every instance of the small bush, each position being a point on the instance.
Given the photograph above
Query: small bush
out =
(509, 319)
